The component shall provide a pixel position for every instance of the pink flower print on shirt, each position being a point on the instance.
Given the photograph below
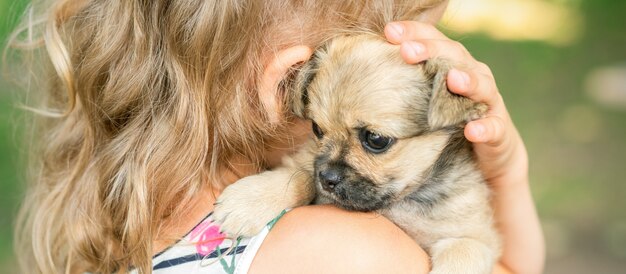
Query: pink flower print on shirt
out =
(206, 237)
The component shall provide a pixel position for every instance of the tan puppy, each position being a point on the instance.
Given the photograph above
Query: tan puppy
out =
(389, 138)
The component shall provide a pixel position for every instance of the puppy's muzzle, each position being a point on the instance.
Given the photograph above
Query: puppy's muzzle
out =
(330, 177)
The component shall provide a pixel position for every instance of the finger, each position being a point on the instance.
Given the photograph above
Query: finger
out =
(402, 31)
(488, 130)
(413, 52)
(474, 85)
(417, 51)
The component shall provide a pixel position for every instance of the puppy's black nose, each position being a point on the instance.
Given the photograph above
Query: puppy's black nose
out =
(330, 178)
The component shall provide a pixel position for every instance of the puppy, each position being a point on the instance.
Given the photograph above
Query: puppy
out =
(388, 138)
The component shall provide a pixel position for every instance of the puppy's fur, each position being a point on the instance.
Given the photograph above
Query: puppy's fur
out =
(357, 90)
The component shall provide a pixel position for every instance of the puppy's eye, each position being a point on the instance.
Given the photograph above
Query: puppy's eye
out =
(317, 131)
(374, 142)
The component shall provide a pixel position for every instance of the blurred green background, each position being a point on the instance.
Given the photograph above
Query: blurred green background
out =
(561, 67)
(11, 171)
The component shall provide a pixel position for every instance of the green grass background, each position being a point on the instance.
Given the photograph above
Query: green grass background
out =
(579, 186)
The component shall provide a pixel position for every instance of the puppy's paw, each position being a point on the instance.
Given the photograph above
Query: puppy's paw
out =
(462, 255)
(246, 206)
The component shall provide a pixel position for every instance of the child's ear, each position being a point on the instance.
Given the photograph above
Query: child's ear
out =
(298, 97)
(446, 108)
(279, 68)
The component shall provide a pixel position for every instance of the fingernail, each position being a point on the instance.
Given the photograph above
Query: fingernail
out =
(416, 48)
(396, 29)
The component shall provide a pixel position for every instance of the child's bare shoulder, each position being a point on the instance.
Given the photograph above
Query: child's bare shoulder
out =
(325, 239)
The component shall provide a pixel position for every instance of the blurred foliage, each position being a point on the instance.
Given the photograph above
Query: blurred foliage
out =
(11, 175)
(576, 146)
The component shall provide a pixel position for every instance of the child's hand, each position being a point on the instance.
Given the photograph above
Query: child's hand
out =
(499, 147)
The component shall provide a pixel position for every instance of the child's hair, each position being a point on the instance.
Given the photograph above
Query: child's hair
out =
(144, 101)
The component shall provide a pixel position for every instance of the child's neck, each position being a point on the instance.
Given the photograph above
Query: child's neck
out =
(202, 204)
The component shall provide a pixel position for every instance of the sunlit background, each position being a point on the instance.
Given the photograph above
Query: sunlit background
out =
(561, 67)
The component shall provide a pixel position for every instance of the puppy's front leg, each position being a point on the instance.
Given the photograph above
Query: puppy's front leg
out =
(246, 206)
(461, 255)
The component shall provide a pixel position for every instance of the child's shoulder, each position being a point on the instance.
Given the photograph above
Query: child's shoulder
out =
(324, 239)
(316, 239)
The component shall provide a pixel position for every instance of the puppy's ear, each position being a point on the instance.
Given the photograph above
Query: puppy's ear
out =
(446, 108)
(298, 97)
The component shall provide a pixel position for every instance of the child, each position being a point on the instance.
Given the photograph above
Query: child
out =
(157, 105)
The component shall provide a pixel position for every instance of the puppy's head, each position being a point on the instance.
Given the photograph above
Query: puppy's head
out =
(380, 123)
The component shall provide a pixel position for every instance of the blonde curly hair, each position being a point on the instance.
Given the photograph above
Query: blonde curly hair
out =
(140, 103)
